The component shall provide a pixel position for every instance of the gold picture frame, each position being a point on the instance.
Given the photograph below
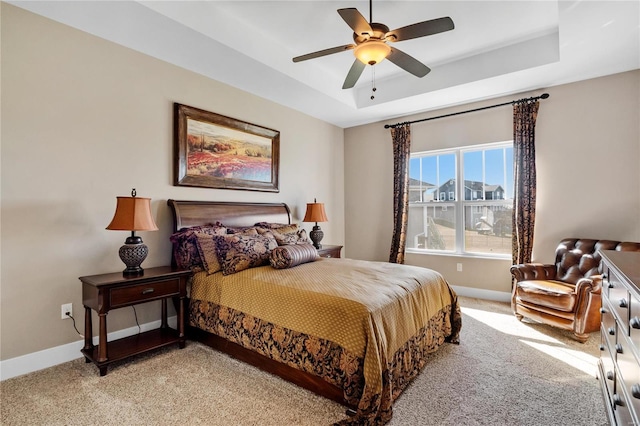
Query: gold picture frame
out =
(215, 151)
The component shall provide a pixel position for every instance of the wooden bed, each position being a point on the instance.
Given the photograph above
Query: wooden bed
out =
(187, 214)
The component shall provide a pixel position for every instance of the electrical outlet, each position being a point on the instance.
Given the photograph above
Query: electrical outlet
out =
(66, 308)
(459, 267)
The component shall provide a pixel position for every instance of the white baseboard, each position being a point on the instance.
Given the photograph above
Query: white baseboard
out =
(499, 296)
(49, 357)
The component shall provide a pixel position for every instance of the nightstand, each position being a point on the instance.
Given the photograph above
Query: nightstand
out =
(329, 251)
(110, 291)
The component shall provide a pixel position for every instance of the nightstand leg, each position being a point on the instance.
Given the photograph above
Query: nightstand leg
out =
(163, 321)
(181, 323)
(102, 346)
(88, 330)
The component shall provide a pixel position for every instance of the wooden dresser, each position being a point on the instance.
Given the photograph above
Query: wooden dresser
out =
(619, 364)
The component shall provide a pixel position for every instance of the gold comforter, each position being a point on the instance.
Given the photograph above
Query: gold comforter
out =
(365, 327)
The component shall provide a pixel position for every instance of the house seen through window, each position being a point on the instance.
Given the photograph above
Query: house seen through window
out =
(461, 200)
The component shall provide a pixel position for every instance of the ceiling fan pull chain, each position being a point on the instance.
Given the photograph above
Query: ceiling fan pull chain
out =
(373, 81)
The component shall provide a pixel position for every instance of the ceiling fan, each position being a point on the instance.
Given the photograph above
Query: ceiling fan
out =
(371, 43)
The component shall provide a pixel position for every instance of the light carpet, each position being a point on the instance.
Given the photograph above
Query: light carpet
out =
(504, 372)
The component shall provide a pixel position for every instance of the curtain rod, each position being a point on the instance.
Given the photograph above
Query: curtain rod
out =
(534, 98)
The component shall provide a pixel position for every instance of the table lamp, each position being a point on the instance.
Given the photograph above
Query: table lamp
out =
(315, 213)
(133, 214)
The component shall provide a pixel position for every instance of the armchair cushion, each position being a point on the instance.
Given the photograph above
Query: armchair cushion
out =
(551, 294)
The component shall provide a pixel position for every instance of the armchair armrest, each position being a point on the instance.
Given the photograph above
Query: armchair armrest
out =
(593, 284)
(588, 302)
(533, 271)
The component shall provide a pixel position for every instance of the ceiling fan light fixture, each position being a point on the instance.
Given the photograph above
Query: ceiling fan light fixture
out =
(372, 52)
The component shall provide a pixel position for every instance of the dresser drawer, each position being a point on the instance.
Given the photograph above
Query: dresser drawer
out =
(608, 327)
(607, 354)
(634, 320)
(129, 295)
(621, 408)
(619, 299)
(629, 374)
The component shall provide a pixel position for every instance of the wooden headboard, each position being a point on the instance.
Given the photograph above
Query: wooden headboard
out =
(194, 213)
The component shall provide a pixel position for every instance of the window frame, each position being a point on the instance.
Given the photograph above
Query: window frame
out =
(460, 203)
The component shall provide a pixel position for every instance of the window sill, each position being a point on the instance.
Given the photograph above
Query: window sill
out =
(460, 255)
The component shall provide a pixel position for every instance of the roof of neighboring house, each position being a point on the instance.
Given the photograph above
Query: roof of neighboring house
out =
(492, 187)
(473, 185)
(419, 183)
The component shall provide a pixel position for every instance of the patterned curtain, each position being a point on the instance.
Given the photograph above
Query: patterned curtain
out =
(524, 177)
(401, 136)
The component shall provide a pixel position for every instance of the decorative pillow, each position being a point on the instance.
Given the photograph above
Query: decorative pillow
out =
(185, 246)
(281, 238)
(245, 230)
(208, 252)
(292, 255)
(302, 237)
(284, 234)
(238, 252)
(281, 227)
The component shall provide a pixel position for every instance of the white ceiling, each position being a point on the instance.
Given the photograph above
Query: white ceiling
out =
(497, 47)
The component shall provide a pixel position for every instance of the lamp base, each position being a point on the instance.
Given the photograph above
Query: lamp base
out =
(316, 236)
(133, 255)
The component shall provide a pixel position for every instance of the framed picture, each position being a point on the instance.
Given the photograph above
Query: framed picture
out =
(214, 151)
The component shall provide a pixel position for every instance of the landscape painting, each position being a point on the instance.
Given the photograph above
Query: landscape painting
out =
(216, 151)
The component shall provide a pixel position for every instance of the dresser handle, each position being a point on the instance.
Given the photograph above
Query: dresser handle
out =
(635, 322)
(617, 400)
(612, 331)
(619, 348)
(603, 311)
(635, 391)
(610, 285)
(601, 347)
(623, 303)
(147, 291)
(604, 276)
(610, 375)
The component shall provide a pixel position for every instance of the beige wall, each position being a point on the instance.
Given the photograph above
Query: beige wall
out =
(588, 157)
(85, 120)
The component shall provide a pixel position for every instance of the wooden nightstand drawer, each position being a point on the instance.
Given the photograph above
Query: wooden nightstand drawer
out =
(329, 251)
(144, 292)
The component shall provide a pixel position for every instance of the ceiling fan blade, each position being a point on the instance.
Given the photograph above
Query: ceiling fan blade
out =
(353, 75)
(324, 52)
(356, 21)
(408, 63)
(421, 29)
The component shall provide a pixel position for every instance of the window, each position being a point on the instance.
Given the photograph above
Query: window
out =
(476, 223)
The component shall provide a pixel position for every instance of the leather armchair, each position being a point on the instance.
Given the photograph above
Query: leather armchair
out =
(565, 294)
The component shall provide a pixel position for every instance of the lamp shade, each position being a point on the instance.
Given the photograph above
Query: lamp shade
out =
(315, 213)
(372, 52)
(133, 214)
